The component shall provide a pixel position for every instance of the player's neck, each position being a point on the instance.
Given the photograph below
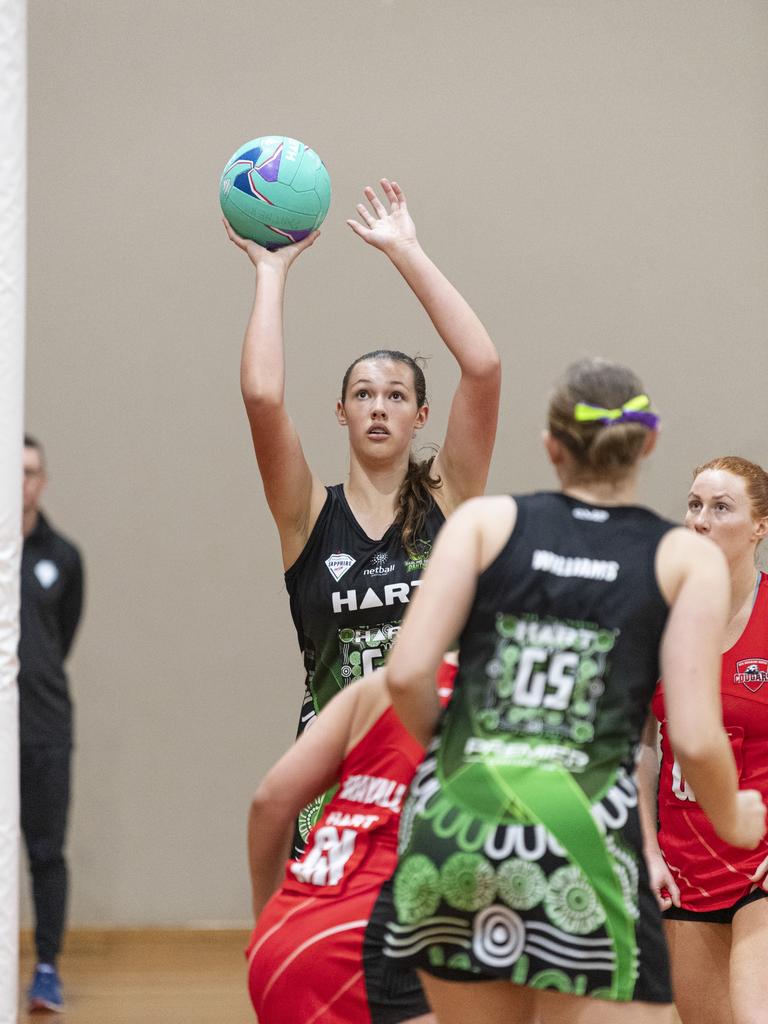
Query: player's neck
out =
(743, 580)
(372, 492)
(375, 487)
(603, 492)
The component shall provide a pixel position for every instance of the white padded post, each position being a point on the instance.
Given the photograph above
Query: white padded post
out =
(13, 170)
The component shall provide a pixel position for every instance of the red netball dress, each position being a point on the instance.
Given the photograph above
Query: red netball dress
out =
(711, 874)
(306, 959)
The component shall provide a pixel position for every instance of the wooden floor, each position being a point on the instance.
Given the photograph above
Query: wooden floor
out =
(141, 976)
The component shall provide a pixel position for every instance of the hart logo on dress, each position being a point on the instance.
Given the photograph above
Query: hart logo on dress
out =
(752, 673)
(394, 593)
(338, 564)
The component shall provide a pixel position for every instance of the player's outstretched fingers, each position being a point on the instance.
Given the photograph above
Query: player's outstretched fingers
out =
(233, 236)
(375, 202)
(357, 228)
(399, 193)
(390, 193)
(365, 214)
(306, 242)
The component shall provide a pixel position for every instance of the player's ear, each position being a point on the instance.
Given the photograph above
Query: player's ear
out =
(650, 443)
(555, 449)
(421, 418)
(341, 415)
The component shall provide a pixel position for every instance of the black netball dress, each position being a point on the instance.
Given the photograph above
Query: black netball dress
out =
(521, 853)
(348, 596)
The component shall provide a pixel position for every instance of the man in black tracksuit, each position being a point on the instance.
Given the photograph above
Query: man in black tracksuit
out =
(51, 602)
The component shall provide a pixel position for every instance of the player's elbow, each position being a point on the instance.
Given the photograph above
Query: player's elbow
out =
(695, 747)
(400, 679)
(260, 397)
(256, 811)
(267, 815)
(274, 804)
(263, 802)
(492, 365)
(485, 366)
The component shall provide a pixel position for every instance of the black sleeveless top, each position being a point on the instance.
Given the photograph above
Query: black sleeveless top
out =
(520, 843)
(560, 651)
(348, 595)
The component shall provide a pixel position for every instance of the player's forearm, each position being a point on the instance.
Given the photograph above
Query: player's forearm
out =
(454, 319)
(709, 768)
(647, 805)
(415, 701)
(262, 365)
(270, 832)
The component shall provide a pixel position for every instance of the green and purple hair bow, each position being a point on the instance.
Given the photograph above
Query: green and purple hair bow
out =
(636, 410)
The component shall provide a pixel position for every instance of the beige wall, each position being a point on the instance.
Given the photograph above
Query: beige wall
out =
(592, 174)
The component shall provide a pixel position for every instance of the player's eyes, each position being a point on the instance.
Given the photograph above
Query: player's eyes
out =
(694, 506)
(362, 393)
(397, 394)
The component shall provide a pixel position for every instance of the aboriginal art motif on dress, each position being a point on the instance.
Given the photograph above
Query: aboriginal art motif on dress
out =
(514, 860)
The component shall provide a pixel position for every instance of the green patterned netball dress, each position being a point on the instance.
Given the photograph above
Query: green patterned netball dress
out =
(520, 847)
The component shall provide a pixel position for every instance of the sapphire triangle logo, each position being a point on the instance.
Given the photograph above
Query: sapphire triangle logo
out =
(338, 564)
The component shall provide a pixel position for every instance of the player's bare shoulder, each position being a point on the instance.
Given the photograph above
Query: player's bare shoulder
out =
(497, 516)
(492, 514)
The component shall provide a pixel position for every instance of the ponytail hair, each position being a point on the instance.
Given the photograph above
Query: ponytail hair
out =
(607, 446)
(414, 499)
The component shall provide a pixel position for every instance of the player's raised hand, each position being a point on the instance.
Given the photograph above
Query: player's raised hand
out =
(260, 256)
(385, 229)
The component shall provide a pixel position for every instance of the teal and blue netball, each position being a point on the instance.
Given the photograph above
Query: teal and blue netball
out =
(275, 191)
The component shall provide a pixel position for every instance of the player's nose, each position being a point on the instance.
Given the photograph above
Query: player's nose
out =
(701, 522)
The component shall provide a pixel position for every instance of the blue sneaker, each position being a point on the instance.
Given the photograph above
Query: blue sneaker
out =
(45, 991)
